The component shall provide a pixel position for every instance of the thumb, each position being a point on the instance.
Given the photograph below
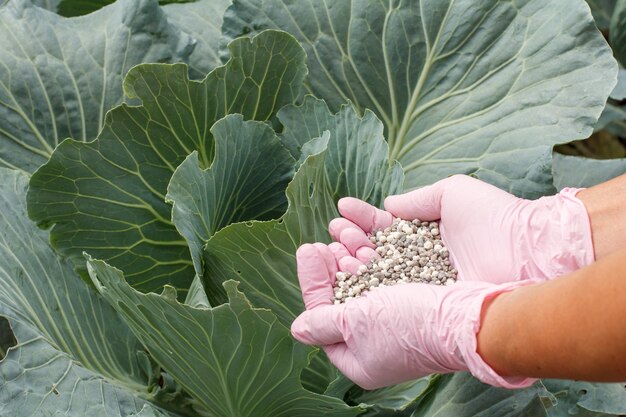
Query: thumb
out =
(319, 326)
(422, 204)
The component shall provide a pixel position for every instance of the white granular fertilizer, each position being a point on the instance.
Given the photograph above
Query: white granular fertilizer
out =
(410, 251)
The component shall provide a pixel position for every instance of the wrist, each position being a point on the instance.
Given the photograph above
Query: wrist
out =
(606, 219)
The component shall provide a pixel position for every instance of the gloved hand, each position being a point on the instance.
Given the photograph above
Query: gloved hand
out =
(395, 334)
(492, 235)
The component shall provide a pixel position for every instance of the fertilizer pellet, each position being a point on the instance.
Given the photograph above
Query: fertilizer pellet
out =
(410, 251)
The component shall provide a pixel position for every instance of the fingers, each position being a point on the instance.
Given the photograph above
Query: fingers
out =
(329, 259)
(354, 239)
(349, 263)
(349, 235)
(364, 215)
(320, 326)
(422, 204)
(366, 254)
(338, 250)
(338, 225)
(344, 259)
(314, 275)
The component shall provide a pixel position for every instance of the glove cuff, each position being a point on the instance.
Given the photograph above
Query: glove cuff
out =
(557, 237)
(468, 344)
(576, 231)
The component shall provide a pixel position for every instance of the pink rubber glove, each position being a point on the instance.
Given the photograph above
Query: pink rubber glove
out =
(395, 334)
(492, 235)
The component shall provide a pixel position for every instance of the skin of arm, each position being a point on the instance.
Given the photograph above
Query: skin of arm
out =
(573, 327)
(606, 207)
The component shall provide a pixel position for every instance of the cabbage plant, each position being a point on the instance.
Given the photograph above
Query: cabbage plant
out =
(160, 165)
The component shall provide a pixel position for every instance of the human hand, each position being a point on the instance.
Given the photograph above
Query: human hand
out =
(492, 235)
(395, 334)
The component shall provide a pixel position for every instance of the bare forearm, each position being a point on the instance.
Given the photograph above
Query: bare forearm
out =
(573, 327)
(605, 205)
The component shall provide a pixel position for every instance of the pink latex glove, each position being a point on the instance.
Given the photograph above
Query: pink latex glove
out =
(395, 334)
(492, 235)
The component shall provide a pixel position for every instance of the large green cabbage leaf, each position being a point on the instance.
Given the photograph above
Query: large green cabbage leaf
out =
(72, 8)
(576, 171)
(148, 411)
(463, 86)
(619, 92)
(58, 76)
(238, 186)
(233, 359)
(246, 181)
(108, 196)
(613, 117)
(586, 399)
(400, 399)
(261, 255)
(45, 4)
(74, 355)
(602, 11)
(202, 20)
(618, 31)
(462, 395)
(37, 379)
